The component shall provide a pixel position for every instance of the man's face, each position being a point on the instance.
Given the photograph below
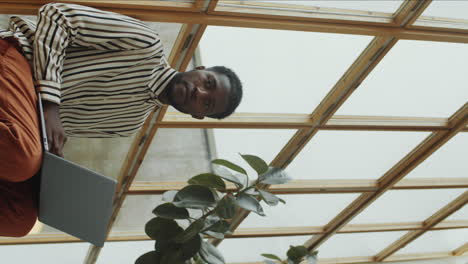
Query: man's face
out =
(200, 93)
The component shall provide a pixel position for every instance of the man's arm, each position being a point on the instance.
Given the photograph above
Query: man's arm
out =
(62, 25)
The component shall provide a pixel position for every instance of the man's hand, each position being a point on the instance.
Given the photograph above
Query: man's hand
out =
(55, 132)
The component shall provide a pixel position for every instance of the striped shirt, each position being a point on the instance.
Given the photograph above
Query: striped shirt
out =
(105, 70)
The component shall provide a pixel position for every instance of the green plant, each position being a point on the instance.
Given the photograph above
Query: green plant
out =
(295, 255)
(208, 207)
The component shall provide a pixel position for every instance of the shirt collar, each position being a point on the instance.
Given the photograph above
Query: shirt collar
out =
(161, 82)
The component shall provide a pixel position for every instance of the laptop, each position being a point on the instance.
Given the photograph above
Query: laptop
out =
(73, 199)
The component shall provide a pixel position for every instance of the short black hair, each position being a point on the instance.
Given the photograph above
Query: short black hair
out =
(235, 95)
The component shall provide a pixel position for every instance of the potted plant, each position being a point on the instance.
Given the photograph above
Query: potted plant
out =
(207, 207)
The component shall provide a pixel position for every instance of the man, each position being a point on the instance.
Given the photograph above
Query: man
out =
(99, 74)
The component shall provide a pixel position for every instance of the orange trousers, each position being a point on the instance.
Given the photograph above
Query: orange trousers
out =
(20, 145)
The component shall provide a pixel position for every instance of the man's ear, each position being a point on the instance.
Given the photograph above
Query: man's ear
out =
(200, 67)
(198, 117)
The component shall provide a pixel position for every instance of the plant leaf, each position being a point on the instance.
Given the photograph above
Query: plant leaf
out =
(248, 202)
(230, 177)
(297, 253)
(151, 257)
(229, 165)
(311, 259)
(170, 211)
(211, 254)
(259, 165)
(214, 234)
(209, 180)
(191, 247)
(168, 196)
(252, 192)
(275, 176)
(281, 200)
(162, 229)
(194, 196)
(227, 207)
(271, 256)
(211, 220)
(172, 257)
(220, 227)
(269, 198)
(192, 230)
(269, 261)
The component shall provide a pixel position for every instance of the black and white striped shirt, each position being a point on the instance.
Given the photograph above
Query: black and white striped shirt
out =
(105, 70)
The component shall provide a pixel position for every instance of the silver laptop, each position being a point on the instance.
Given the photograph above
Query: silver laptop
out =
(74, 199)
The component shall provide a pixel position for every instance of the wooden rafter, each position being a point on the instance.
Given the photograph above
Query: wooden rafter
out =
(103, 4)
(316, 186)
(461, 250)
(387, 36)
(184, 48)
(245, 232)
(432, 143)
(300, 121)
(438, 217)
(369, 259)
(305, 12)
(187, 16)
(351, 80)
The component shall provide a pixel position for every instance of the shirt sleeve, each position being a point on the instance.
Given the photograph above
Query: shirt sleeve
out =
(62, 25)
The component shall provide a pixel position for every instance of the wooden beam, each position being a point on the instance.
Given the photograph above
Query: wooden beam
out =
(53, 238)
(300, 121)
(369, 259)
(438, 217)
(183, 50)
(445, 24)
(432, 143)
(461, 250)
(104, 4)
(30, 7)
(316, 186)
(409, 12)
(304, 12)
(352, 78)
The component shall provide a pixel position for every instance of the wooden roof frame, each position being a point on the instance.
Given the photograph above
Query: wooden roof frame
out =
(320, 186)
(386, 29)
(53, 238)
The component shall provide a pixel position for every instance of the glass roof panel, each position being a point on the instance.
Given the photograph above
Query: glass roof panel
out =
(175, 155)
(168, 33)
(449, 9)
(406, 206)
(355, 245)
(415, 78)
(276, 77)
(252, 248)
(447, 162)
(436, 241)
(94, 154)
(388, 6)
(352, 154)
(305, 208)
(265, 143)
(46, 253)
(136, 212)
(124, 252)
